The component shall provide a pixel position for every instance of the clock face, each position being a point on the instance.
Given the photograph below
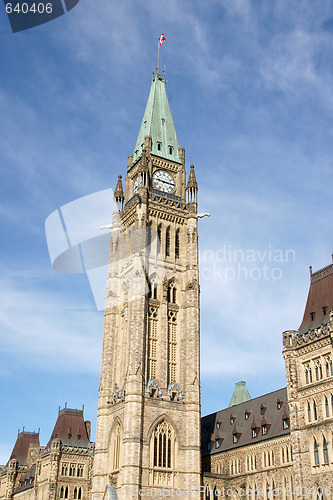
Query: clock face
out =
(138, 183)
(163, 181)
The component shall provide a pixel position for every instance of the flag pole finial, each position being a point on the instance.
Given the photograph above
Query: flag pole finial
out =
(160, 41)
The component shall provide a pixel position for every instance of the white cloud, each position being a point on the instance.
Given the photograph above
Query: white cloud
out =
(59, 333)
(291, 64)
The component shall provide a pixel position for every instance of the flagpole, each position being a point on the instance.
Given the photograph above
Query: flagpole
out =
(158, 57)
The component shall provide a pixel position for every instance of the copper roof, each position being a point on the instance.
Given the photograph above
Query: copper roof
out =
(20, 450)
(245, 419)
(320, 299)
(240, 394)
(70, 429)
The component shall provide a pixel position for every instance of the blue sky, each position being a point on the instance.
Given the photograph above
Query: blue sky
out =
(250, 88)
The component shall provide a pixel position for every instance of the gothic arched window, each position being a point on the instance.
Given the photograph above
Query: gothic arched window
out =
(309, 412)
(177, 245)
(315, 415)
(327, 408)
(159, 238)
(152, 294)
(152, 342)
(316, 452)
(172, 293)
(163, 444)
(172, 346)
(167, 242)
(319, 371)
(115, 447)
(325, 451)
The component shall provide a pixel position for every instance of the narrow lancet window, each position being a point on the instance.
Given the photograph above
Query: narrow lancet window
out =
(325, 451)
(152, 343)
(177, 245)
(159, 238)
(172, 346)
(315, 415)
(316, 453)
(167, 242)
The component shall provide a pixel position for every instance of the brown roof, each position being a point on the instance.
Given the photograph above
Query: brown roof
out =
(270, 410)
(70, 428)
(20, 450)
(320, 299)
(27, 480)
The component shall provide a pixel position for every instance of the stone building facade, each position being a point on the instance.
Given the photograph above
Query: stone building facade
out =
(149, 434)
(60, 470)
(283, 449)
(246, 449)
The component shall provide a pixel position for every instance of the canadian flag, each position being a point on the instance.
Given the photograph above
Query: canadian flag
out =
(161, 39)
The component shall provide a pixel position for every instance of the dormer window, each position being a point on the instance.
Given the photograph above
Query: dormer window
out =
(235, 438)
(264, 429)
(247, 414)
(232, 419)
(254, 432)
(209, 446)
(217, 443)
(218, 424)
(286, 423)
(312, 315)
(324, 310)
(262, 409)
(170, 150)
(159, 146)
(279, 404)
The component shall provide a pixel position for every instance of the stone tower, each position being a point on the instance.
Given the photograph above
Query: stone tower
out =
(148, 423)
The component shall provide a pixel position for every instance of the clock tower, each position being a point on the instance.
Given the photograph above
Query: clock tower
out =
(148, 423)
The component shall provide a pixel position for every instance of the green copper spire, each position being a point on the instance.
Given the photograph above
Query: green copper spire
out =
(240, 395)
(158, 124)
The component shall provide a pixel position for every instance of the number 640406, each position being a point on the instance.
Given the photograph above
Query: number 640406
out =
(35, 8)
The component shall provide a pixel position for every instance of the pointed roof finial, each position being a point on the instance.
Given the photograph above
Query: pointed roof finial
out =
(310, 267)
(119, 192)
(192, 181)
